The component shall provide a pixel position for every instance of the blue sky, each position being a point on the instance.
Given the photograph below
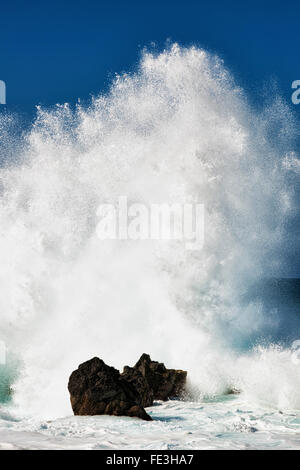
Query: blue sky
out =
(59, 51)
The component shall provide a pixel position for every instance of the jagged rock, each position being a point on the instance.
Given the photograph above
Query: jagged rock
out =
(232, 391)
(154, 381)
(136, 378)
(97, 389)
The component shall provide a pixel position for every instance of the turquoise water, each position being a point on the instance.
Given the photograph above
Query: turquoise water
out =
(9, 372)
(6, 379)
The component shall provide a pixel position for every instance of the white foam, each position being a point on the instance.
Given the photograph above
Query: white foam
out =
(177, 128)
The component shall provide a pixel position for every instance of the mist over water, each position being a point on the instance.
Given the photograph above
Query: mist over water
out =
(178, 129)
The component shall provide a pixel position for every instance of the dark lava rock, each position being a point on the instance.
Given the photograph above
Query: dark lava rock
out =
(136, 378)
(97, 389)
(232, 391)
(154, 381)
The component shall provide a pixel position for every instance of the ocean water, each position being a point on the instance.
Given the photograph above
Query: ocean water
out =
(176, 130)
(222, 423)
